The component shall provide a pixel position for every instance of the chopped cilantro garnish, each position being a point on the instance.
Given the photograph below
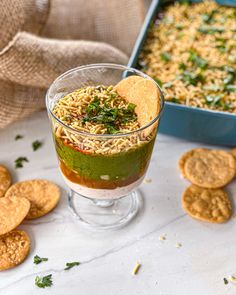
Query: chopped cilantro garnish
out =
(221, 48)
(230, 88)
(131, 107)
(19, 162)
(213, 99)
(208, 17)
(36, 145)
(44, 281)
(174, 99)
(225, 281)
(197, 60)
(111, 129)
(93, 107)
(168, 85)
(159, 82)
(38, 259)
(18, 136)
(192, 78)
(228, 79)
(165, 56)
(210, 30)
(69, 265)
(212, 87)
(182, 66)
(110, 117)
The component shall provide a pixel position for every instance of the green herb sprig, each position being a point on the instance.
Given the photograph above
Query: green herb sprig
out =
(209, 17)
(43, 282)
(192, 78)
(69, 265)
(197, 60)
(210, 30)
(19, 162)
(165, 56)
(38, 259)
(36, 145)
(18, 136)
(110, 117)
(225, 281)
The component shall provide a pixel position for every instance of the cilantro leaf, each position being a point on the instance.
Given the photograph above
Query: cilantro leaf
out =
(174, 100)
(36, 145)
(213, 99)
(69, 265)
(197, 60)
(110, 117)
(212, 87)
(159, 82)
(44, 281)
(93, 107)
(182, 66)
(18, 136)
(38, 259)
(165, 56)
(208, 17)
(19, 162)
(230, 88)
(131, 107)
(168, 85)
(192, 78)
(210, 30)
(225, 281)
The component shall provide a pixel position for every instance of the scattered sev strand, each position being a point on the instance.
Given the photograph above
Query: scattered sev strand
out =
(136, 268)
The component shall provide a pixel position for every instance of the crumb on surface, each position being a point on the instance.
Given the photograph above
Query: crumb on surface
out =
(178, 245)
(162, 237)
(147, 180)
(136, 268)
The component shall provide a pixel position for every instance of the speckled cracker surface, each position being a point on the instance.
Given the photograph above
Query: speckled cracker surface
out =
(124, 85)
(145, 95)
(42, 194)
(14, 248)
(12, 212)
(186, 156)
(5, 180)
(212, 205)
(210, 168)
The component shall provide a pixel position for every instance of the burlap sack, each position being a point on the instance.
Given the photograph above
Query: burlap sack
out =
(116, 22)
(29, 63)
(21, 15)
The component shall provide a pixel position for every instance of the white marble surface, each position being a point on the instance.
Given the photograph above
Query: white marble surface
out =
(207, 255)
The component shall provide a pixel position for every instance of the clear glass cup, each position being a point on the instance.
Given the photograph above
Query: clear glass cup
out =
(102, 171)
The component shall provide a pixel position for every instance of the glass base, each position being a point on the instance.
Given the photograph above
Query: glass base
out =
(105, 214)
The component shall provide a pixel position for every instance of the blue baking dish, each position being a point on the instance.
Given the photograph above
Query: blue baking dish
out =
(190, 123)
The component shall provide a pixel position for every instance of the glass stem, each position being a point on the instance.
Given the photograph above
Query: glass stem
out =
(103, 203)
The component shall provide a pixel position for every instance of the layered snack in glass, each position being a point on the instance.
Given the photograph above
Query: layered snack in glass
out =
(104, 129)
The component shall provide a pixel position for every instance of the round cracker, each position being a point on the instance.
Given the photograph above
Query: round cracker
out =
(184, 158)
(233, 152)
(145, 95)
(210, 168)
(212, 205)
(12, 212)
(14, 248)
(5, 180)
(124, 85)
(42, 194)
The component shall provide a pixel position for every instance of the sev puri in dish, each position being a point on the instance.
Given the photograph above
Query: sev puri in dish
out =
(97, 110)
(191, 52)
